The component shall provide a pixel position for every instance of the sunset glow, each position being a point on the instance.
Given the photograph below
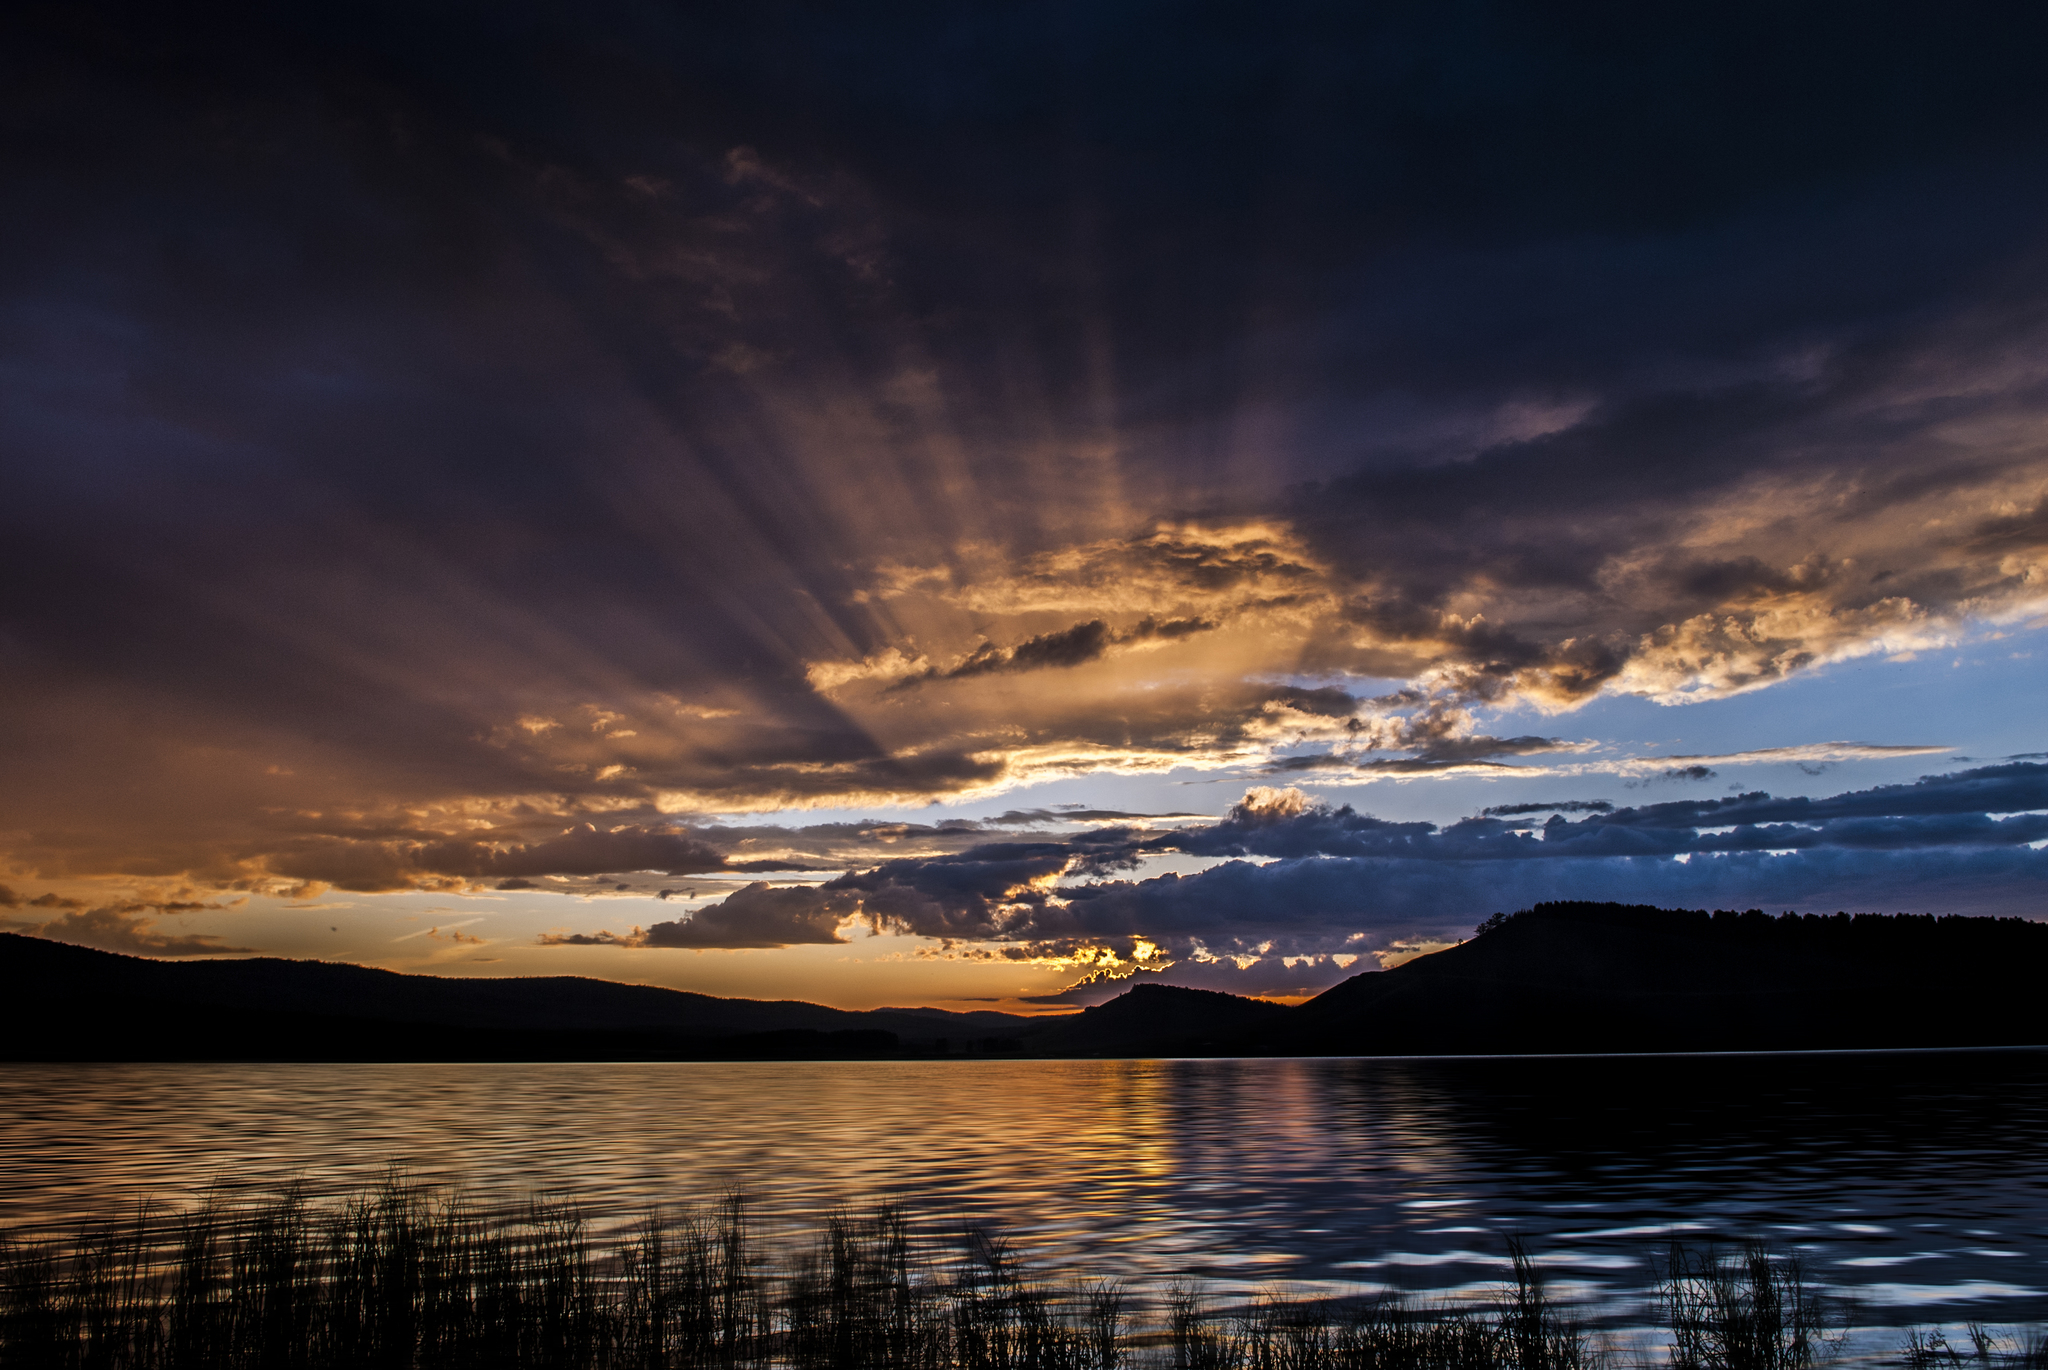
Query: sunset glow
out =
(984, 514)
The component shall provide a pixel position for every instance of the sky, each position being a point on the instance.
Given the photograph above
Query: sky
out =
(975, 505)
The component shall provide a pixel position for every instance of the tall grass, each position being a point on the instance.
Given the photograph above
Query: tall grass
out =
(399, 1279)
(1749, 1310)
(1371, 1334)
(1986, 1350)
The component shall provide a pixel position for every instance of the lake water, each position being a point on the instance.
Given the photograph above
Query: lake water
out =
(1917, 1182)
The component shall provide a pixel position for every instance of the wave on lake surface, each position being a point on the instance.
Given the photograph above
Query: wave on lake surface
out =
(1916, 1183)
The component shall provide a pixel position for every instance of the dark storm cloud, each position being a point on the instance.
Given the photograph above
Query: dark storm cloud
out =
(1936, 811)
(1561, 806)
(1075, 813)
(1310, 761)
(1075, 646)
(976, 894)
(1337, 881)
(755, 916)
(1361, 904)
(425, 422)
(1432, 754)
(1317, 906)
(1327, 702)
(1483, 747)
(2011, 788)
(1069, 647)
(758, 915)
(370, 864)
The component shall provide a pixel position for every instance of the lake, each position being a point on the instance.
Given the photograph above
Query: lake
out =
(1918, 1182)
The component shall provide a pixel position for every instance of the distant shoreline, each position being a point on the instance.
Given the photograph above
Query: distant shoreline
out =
(1555, 980)
(1438, 1058)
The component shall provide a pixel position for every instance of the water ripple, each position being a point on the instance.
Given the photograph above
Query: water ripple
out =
(1247, 1172)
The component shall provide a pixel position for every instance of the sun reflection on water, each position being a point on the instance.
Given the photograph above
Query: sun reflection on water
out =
(1905, 1175)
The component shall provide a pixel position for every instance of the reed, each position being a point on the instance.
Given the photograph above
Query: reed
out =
(1749, 1310)
(1982, 1349)
(400, 1279)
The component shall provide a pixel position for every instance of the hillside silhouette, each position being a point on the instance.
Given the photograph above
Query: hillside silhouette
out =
(1561, 977)
(1161, 1020)
(1578, 977)
(60, 1002)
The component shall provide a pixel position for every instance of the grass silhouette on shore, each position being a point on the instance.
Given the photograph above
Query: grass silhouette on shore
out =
(400, 1280)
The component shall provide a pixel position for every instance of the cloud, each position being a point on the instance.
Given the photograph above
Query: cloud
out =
(130, 926)
(1331, 901)
(2015, 787)
(1810, 753)
(1440, 756)
(509, 862)
(1475, 755)
(1076, 813)
(1259, 977)
(1302, 882)
(756, 915)
(574, 467)
(1073, 646)
(593, 939)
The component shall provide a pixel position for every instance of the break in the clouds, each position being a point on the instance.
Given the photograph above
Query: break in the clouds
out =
(447, 449)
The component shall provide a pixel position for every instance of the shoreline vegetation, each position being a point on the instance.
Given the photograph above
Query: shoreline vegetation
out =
(404, 1277)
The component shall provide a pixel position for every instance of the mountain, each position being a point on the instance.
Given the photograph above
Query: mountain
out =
(1159, 1020)
(61, 1002)
(1570, 977)
(1556, 978)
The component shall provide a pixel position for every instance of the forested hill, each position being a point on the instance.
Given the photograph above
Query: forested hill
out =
(60, 1002)
(1611, 977)
(1555, 978)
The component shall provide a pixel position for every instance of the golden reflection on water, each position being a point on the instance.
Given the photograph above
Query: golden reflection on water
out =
(1042, 1147)
(1354, 1174)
